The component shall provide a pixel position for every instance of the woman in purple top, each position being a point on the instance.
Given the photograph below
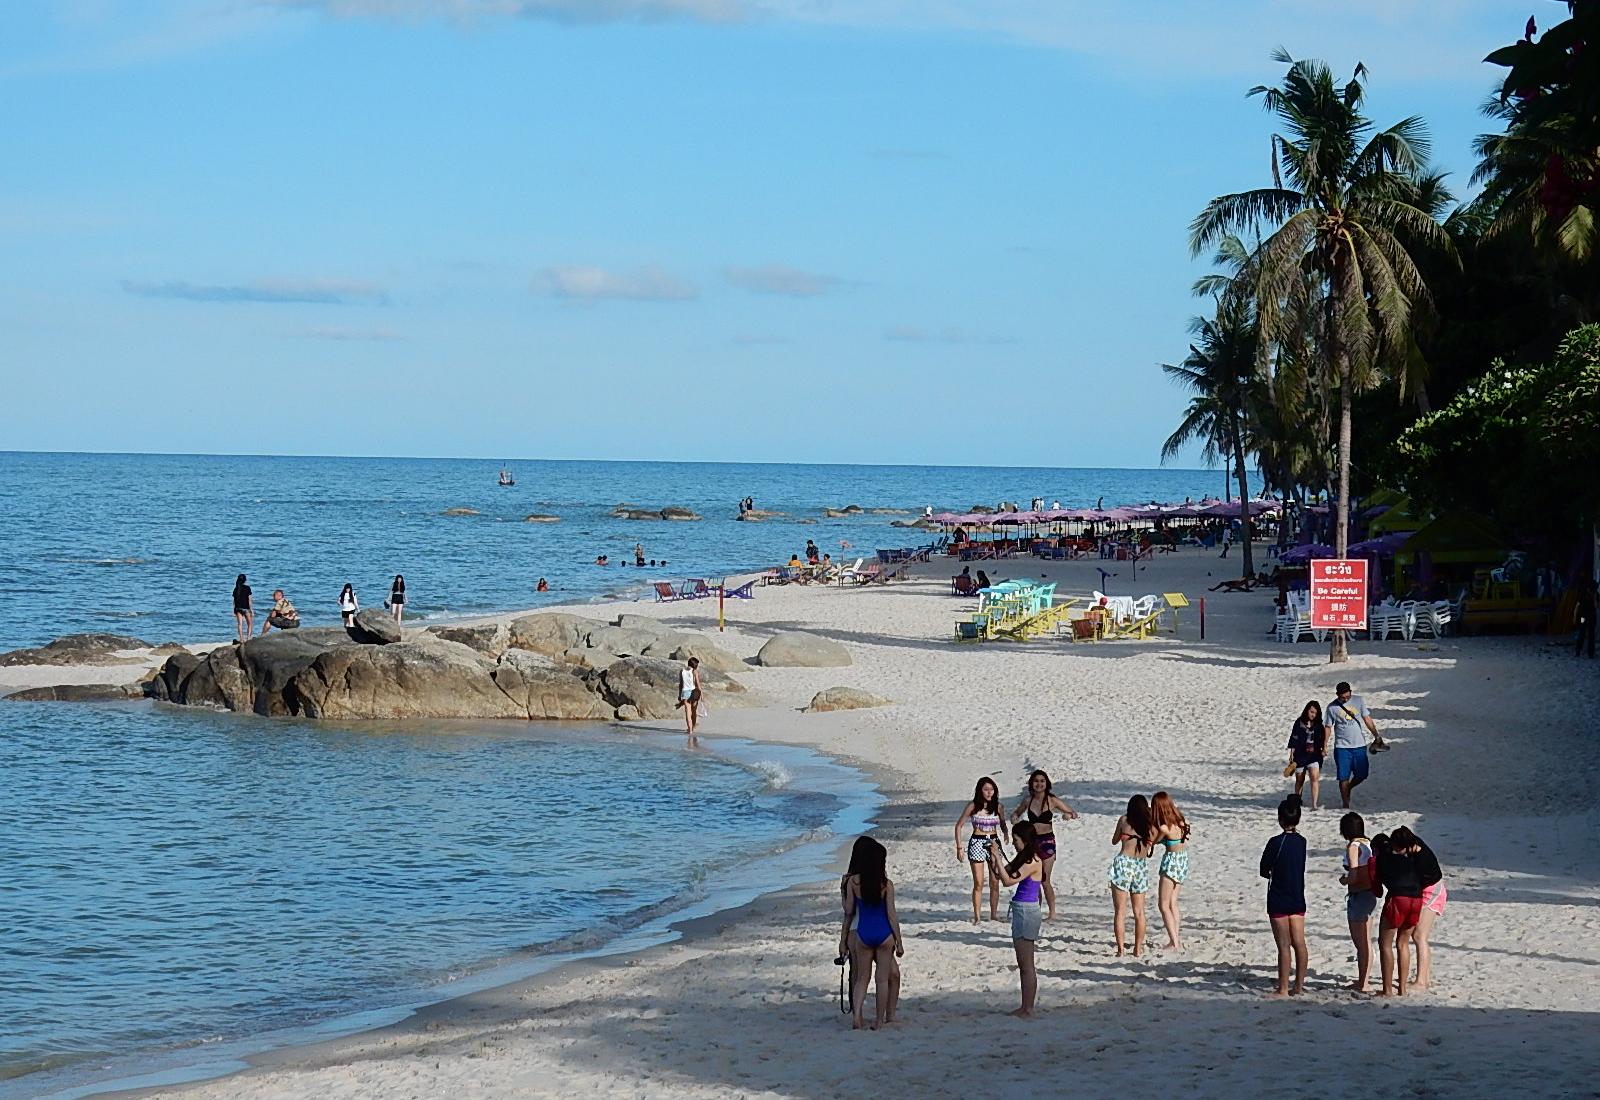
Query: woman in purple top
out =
(1024, 872)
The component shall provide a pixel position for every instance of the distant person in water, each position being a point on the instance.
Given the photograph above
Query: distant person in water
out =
(602, 560)
(397, 598)
(689, 696)
(638, 554)
(244, 610)
(283, 614)
(348, 605)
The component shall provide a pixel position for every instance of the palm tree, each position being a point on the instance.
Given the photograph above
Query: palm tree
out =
(1220, 372)
(1345, 207)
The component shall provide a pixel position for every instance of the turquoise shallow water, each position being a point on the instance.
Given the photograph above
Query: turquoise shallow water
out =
(173, 882)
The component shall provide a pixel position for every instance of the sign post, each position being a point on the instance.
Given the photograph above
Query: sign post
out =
(1339, 594)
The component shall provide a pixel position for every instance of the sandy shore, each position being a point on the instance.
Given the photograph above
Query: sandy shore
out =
(1492, 737)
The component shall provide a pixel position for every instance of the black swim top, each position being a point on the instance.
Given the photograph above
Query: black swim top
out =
(1040, 819)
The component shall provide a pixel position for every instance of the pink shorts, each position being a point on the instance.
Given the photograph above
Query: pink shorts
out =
(1434, 897)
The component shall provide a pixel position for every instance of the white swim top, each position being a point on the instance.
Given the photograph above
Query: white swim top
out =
(1363, 851)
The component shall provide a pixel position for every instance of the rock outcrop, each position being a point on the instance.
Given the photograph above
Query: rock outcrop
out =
(78, 649)
(679, 514)
(77, 693)
(551, 633)
(462, 512)
(671, 512)
(796, 649)
(490, 639)
(541, 517)
(374, 627)
(755, 515)
(844, 698)
(650, 685)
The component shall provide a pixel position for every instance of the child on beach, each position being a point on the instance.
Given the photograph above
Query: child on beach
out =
(1024, 872)
(1283, 865)
(1134, 837)
(871, 932)
(1360, 879)
(1172, 833)
(987, 826)
(1305, 749)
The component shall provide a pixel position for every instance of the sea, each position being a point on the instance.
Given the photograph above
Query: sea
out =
(179, 888)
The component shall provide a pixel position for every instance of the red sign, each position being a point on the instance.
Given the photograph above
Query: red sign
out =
(1339, 594)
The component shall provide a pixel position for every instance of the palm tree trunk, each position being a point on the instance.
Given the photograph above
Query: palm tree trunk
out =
(1339, 648)
(1248, 559)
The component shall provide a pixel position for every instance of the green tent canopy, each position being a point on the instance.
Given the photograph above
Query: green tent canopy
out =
(1399, 517)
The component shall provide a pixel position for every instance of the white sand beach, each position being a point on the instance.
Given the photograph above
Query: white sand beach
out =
(1491, 737)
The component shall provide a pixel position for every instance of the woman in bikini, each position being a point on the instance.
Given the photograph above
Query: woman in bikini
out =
(871, 932)
(1041, 805)
(1172, 833)
(1023, 872)
(987, 827)
(1135, 838)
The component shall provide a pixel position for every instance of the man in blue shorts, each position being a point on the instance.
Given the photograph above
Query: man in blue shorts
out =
(1347, 723)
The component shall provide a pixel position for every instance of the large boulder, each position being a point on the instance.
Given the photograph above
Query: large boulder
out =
(490, 639)
(540, 688)
(422, 678)
(220, 681)
(797, 649)
(588, 659)
(374, 627)
(78, 649)
(462, 512)
(650, 685)
(77, 693)
(711, 655)
(168, 684)
(845, 698)
(551, 633)
(757, 515)
(541, 517)
(643, 622)
(675, 513)
(634, 513)
(622, 642)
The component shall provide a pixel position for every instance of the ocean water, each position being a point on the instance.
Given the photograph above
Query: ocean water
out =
(149, 545)
(176, 882)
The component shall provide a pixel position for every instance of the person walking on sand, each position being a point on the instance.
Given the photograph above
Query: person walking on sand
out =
(1584, 612)
(348, 605)
(1406, 867)
(244, 610)
(1134, 837)
(1306, 739)
(397, 598)
(1346, 725)
(689, 697)
(987, 825)
(1283, 865)
(1360, 880)
(1024, 872)
(871, 933)
(283, 614)
(1172, 833)
(1041, 805)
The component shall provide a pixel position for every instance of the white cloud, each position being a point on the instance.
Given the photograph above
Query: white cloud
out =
(914, 334)
(559, 11)
(780, 279)
(593, 284)
(327, 292)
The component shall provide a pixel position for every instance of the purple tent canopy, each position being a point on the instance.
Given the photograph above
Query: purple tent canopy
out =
(1308, 551)
(945, 517)
(1383, 546)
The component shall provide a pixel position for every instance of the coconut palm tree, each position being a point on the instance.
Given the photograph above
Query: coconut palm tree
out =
(1220, 373)
(1344, 202)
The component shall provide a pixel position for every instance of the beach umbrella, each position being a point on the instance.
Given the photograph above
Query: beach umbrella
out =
(1307, 551)
(1384, 546)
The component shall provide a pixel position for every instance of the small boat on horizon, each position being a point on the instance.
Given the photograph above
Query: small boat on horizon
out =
(506, 478)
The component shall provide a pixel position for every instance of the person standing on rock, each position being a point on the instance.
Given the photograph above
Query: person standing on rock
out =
(348, 605)
(397, 598)
(244, 610)
(689, 697)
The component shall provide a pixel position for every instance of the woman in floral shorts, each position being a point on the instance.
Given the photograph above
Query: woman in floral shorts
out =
(1134, 837)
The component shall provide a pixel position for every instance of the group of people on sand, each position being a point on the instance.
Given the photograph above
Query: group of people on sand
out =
(1340, 730)
(1398, 868)
(285, 616)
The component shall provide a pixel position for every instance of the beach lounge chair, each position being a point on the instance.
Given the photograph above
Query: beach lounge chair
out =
(746, 591)
(964, 586)
(695, 588)
(665, 593)
(851, 574)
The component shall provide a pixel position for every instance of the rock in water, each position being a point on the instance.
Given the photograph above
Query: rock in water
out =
(374, 627)
(77, 649)
(796, 649)
(540, 688)
(77, 693)
(679, 514)
(650, 685)
(541, 517)
(422, 678)
(462, 512)
(845, 698)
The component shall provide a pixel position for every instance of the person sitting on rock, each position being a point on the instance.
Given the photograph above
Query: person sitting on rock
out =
(283, 614)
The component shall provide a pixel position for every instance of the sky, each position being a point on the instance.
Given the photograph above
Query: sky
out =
(935, 232)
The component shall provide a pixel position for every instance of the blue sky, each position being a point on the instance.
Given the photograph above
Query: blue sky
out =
(948, 231)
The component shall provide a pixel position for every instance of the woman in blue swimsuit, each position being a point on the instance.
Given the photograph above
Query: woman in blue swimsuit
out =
(872, 932)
